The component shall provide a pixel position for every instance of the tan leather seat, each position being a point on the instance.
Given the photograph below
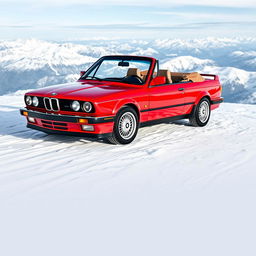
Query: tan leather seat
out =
(178, 77)
(167, 74)
(134, 72)
(194, 77)
(185, 77)
(144, 74)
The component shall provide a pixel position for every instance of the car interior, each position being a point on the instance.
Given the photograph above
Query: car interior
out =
(171, 77)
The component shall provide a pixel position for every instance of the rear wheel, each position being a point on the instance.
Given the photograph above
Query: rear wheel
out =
(201, 113)
(125, 127)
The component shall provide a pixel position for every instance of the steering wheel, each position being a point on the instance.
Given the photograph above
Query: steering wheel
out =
(134, 79)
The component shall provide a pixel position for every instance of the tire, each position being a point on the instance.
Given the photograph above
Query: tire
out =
(125, 127)
(201, 113)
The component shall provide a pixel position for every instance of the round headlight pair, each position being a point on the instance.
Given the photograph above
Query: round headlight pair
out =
(29, 101)
(87, 106)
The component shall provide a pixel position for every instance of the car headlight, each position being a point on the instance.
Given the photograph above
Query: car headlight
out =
(87, 106)
(75, 105)
(35, 101)
(28, 100)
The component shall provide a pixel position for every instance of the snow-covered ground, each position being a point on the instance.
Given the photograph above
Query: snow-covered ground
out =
(177, 190)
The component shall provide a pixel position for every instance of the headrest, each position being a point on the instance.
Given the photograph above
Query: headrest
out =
(144, 73)
(134, 72)
(167, 74)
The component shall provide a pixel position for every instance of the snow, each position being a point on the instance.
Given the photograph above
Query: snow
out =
(35, 63)
(188, 63)
(34, 54)
(177, 190)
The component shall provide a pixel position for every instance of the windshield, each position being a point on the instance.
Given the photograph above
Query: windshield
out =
(126, 69)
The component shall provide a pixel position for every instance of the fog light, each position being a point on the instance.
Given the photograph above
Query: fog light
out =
(88, 128)
(31, 119)
(83, 121)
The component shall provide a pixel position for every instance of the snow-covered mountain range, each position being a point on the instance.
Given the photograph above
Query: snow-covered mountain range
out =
(32, 63)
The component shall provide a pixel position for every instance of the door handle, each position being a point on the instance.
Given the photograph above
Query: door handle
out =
(181, 89)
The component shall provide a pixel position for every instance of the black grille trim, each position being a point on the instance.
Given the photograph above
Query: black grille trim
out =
(61, 124)
(63, 105)
(51, 104)
(55, 104)
(54, 125)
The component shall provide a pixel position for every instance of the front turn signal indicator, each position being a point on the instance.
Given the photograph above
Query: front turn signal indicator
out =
(82, 121)
(25, 113)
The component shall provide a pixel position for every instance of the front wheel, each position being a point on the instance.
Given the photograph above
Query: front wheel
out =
(201, 113)
(125, 127)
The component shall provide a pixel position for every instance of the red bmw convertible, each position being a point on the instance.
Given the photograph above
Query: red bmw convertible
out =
(117, 95)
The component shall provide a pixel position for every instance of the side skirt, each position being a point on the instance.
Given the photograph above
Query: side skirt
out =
(163, 120)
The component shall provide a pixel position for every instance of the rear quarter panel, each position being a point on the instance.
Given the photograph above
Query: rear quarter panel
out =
(194, 92)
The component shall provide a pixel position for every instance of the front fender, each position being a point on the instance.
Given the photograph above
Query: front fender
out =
(123, 102)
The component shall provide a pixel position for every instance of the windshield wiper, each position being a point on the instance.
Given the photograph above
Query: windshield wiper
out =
(95, 77)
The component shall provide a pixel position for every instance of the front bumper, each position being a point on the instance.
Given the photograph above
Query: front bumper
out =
(67, 124)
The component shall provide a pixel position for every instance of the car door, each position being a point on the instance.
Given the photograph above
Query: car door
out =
(166, 101)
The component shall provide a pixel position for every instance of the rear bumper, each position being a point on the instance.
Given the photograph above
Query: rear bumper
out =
(217, 101)
(69, 125)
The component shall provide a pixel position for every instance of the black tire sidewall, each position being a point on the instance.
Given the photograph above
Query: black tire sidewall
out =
(116, 131)
(197, 112)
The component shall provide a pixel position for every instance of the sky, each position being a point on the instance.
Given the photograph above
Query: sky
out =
(83, 20)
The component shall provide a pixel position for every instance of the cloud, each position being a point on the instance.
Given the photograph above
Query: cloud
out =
(15, 26)
(145, 26)
(139, 26)
(208, 16)
(156, 3)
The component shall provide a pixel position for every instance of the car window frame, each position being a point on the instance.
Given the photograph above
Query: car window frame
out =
(119, 57)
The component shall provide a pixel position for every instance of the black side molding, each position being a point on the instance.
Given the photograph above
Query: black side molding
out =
(170, 106)
(164, 120)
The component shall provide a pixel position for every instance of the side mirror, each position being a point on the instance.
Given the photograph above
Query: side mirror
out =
(158, 80)
(82, 73)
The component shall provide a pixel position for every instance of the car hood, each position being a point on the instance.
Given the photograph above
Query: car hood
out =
(81, 90)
